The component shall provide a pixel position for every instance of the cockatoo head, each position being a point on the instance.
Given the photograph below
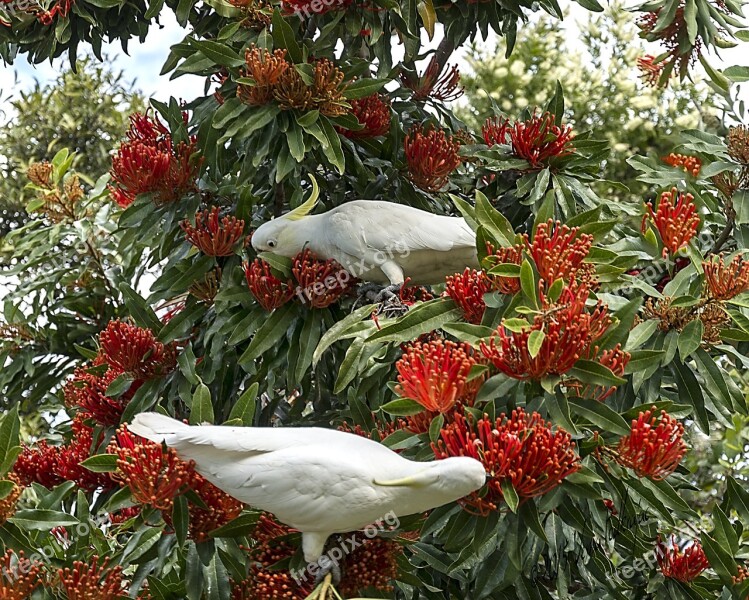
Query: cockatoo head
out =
(459, 475)
(283, 235)
(278, 236)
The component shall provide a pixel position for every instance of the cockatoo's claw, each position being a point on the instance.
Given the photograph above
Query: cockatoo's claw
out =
(332, 570)
(389, 293)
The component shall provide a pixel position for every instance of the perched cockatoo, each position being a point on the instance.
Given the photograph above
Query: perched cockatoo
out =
(318, 481)
(374, 240)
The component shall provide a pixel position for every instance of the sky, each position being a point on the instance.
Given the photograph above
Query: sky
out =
(145, 60)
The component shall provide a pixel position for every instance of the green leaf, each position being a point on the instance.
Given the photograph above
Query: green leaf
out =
(421, 319)
(428, 15)
(6, 487)
(339, 329)
(180, 518)
(535, 341)
(690, 392)
(244, 409)
(219, 53)
(737, 73)
(435, 427)
(101, 463)
(201, 409)
(333, 151)
(308, 340)
(690, 338)
(283, 37)
(601, 415)
(364, 87)
(269, 333)
(119, 386)
(556, 106)
(510, 495)
(402, 407)
(528, 283)
(739, 498)
(143, 314)
(720, 560)
(494, 221)
(641, 334)
(42, 520)
(589, 371)
(9, 439)
(243, 525)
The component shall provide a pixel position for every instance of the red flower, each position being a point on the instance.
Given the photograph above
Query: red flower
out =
(682, 565)
(69, 458)
(725, 281)
(135, 350)
(435, 374)
(650, 71)
(92, 581)
(690, 164)
(521, 449)
(154, 475)
(37, 464)
(431, 157)
(655, 446)
(8, 503)
(212, 236)
(558, 251)
(467, 291)
(87, 391)
(676, 222)
(150, 162)
(674, 36)
(512, 255)
(124, 514)
(221, 508)
(268, 290)
(373, 112)
(538, 140)
(435, 84)
(19, 576)
(320, 283)
(568, 333)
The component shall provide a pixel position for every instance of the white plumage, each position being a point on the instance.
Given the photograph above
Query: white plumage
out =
(319, 481)
(376, 241)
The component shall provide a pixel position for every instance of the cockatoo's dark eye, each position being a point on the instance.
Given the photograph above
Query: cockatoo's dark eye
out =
(271, 243)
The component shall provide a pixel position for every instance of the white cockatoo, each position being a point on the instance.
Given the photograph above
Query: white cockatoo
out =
(377, 241)
(318, 481)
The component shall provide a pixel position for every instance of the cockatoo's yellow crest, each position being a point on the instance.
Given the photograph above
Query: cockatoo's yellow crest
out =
(304, 209)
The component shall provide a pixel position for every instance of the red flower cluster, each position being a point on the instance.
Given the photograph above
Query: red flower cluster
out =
(467, 290)
(373, 113)
(521, 449)
(61, 8)
(435, 374)
(269, 291)
(150, 162)
(725, 281)
(569, 332)
(154, 475)
(135, 350)
(212, 236)
(373, 564)
(19, 577)
(431, 156)
(52, 465)
(655, 446)
(92, 581)
(650, 70)
(558, 251)
(682, 565)
(676, 220)
(220, 508)
(87, 391)
(320, 283)
(538, 140)
(434, 83)
(690, 164)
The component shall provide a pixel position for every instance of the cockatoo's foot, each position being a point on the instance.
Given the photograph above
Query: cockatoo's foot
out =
(389, 293)
(333, 570)
(325, 587)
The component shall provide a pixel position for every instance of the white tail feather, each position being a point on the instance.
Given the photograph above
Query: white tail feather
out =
(154, 426)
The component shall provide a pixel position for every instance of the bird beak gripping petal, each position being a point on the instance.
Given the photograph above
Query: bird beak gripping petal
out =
(425, 477)
(304, 209)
